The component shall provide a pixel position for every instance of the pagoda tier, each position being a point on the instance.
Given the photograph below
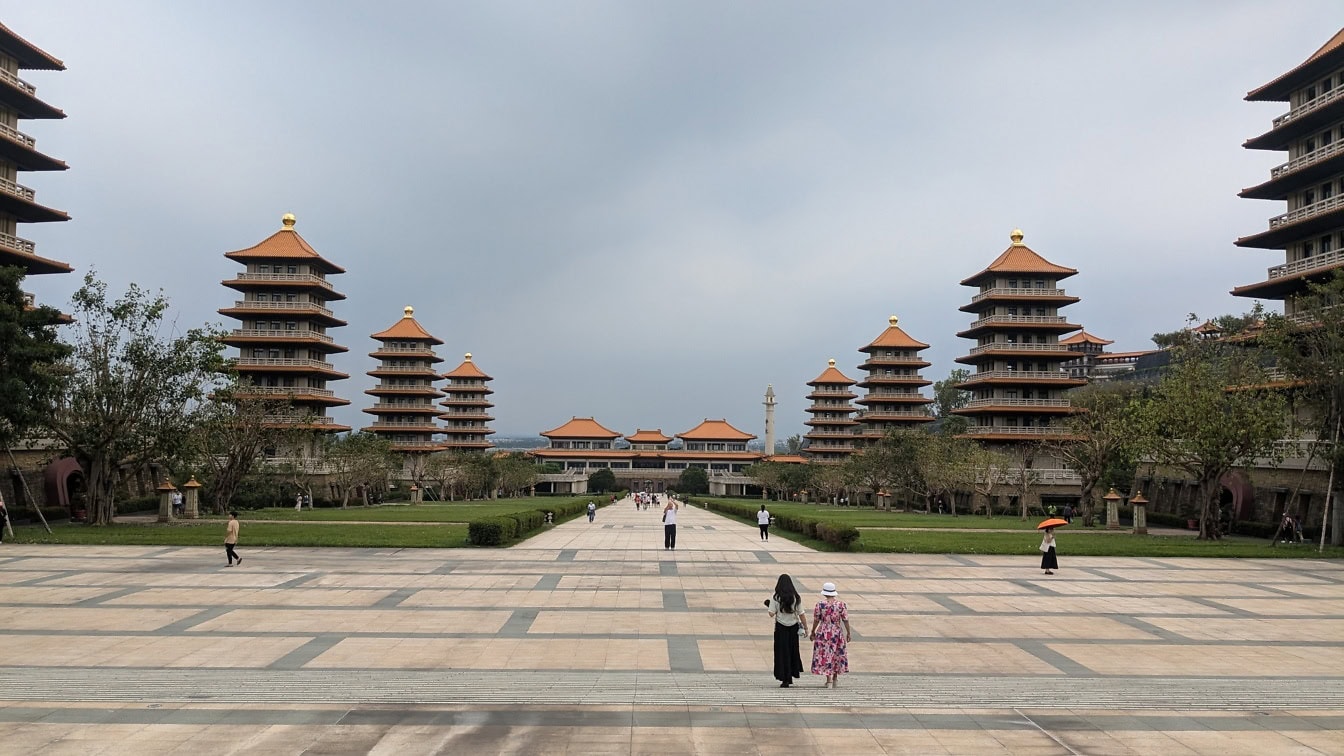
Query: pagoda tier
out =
(405, 409)
(1311, 182)
(1018, 385)
(18, 153)
(282, 337)
(892, 399)
(831, 438)
(466, 408)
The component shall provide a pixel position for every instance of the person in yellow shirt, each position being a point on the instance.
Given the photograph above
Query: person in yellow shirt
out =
(231, 539)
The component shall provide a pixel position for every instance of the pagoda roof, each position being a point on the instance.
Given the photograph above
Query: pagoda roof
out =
(895, 338)
(715, 430)
(1328, 56)
(467, 369)
(1083, 337)
(581, 427)
(831, 376)
(284, 244)
(26, 53)
(648, 437)
(407, 328)
(1019, 258)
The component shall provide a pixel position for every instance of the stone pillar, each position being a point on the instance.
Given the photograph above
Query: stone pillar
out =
(165, 492)
(1112, 500)
(191, 508)
(1140, 505)
(417, 496)
(769, 420)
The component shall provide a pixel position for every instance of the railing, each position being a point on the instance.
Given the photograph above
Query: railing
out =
(1015, 347)
(1323, 260)
(282, 362)
(303, 464)
(14, 79)
(1309, 106)
(281, 335)
(298, 417)
(18, 190)
(394, 406)
(911, 376)
(1302, 161)
(17, 244)
(1025, 375)
(1311, 316)
(844, 433)
(1048, 319)
(14, 135)
(295, 277)
(283, 391)
(1007, 292)
(406, 389)
(1037, 475)
(879, 414)
(1018, 403)
(253, 304)
(873, 359)
(425, 426)
(1302, 213)
(426, 349)
(1014, 430)
(29, 300)
(403, 369)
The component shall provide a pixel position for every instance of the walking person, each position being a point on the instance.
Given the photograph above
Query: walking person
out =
(5, 528)
(298, 501)
(830, 636)
(231, 539)
(592, 511)
(1048, 560)
(786, 608)
(670, 525)
(763, 520)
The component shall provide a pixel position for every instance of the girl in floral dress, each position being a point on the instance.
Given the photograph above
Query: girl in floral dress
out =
(830, 637)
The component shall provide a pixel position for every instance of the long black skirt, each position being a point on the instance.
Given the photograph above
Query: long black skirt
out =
(788, 662)
(1048, 561)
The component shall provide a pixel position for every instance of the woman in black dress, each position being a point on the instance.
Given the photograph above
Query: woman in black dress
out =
(786, 607)
(1049, 562)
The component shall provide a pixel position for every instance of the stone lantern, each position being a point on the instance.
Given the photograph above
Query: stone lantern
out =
(166, 490)
(1112, 500)
(417, 496)
(1140, 513)
(191, 508)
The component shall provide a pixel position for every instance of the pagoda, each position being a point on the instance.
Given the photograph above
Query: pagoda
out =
(466, 408)
(831, 438)
(18, 153)
(1018, 385)
(1311, 182)
(892, 399)
(282, 337)
(405, 409)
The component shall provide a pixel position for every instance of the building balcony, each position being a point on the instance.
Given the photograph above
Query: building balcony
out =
(459, 402)
(253, 304)
(1014, 347)
(20, 202)
(891, 397)
(291, 418)
(476, 415)
(242, 337)
(264, 364)
(424, 370)
(1023, 320)
(1018, 294)
(1310, 106)
(23, 253)
(283, 391)
(1306, 265)
(425, 390)
(1027, 403)
(21, 149)
(1024, 432)
(383, 426)
(21, 97)
(1300, 121)
(872, 363)
(302, 278)
(1302, 170)
(882, 379)
(1020, 376)
(392, 408)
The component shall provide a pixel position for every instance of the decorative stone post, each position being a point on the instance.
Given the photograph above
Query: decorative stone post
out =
(191, 508)
(1140, 513)
(1112, 500)
(417, 496)
(166, 501)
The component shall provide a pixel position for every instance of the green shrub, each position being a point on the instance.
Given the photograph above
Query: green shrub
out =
(491, 531)
(835, 534)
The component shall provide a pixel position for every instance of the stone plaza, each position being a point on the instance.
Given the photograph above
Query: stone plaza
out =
(592, 638)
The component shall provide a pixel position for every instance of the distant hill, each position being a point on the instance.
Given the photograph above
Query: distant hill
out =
(518, 442)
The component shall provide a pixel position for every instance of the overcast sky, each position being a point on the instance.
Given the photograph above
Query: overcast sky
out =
(646, 212)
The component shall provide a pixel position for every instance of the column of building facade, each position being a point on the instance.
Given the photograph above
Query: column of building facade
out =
(831, 424)
(1017, 385)
(405, 393)
(892, 384)
(466, 408)
(1310, 233)
(282, 336)
(19, 154)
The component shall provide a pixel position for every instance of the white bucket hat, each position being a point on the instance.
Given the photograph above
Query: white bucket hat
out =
(828, 589)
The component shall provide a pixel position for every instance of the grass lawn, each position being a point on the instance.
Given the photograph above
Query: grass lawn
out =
(211, 533)
(461, 512)
(867, 517)
(1080, 543)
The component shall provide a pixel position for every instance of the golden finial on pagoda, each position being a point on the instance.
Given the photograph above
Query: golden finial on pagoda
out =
(1016, 236)
(831, 362)
(287, 220)
(407, 311)
(468, 357)
(893, 320)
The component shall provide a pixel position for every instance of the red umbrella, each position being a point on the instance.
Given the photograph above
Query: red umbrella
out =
(1053, 522)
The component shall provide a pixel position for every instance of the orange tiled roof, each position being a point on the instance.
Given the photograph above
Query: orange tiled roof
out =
(407, 328)
(830, 376)
(648, 437)
(1083, 337)
(895, 338)
(1272, 90)
(581, 427)
(715, 430)
(1019, 258)
(467, 369)
(284, 244)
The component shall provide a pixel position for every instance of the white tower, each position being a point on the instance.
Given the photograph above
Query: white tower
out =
(769, 420)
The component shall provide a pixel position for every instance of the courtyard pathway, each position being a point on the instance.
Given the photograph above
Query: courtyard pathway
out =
(591, 638)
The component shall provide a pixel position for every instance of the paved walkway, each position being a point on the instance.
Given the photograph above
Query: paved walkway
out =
(591, 638)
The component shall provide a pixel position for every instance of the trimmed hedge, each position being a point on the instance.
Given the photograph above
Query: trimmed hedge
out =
(496, 531)
(837, 535)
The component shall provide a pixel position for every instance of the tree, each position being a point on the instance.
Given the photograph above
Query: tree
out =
(133, 395)
(602, 481)
(1210, 413)
(359, 461)
(791, 445)
(990, 472)
(233, 431)
(32, 377)
(1100, 437)
(878, 466)
(693, 480)
(480, 475)
(827, 480)
(517, 472)
(770, 476)
(445, 472)
(947, 397)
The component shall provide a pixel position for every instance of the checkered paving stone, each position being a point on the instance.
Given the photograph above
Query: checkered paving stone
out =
(595, 639)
